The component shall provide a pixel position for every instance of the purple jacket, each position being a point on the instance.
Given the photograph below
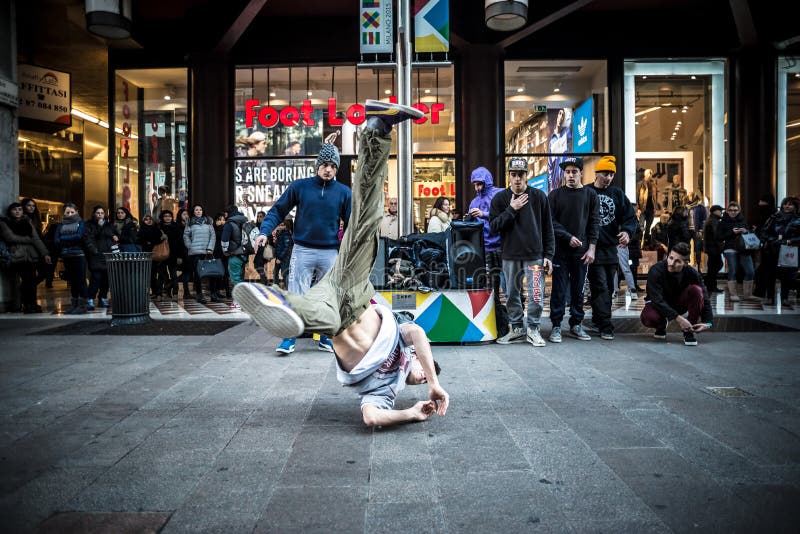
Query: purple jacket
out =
(483, 202)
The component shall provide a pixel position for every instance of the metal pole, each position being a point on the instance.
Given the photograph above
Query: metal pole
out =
(404, 163)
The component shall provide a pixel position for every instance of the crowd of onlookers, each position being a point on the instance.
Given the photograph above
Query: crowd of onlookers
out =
(178, 243)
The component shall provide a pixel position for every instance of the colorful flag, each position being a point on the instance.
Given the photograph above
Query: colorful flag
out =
(377, 34)
(431, 25)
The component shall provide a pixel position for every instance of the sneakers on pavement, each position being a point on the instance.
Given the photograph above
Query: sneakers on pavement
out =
(607, 334)
(578, 332)
(515, 335)
(689, 339)
(535, 338)
(660, 333)
(391, 114)
(555, 335)
(325, 344)
(286, 346)
(269, 310)
(592, 329)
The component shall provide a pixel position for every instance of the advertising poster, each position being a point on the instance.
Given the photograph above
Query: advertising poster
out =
(559, 122)
(44, 95)
(583, 127)
(376, 26)
(431, 25)
(259, 183)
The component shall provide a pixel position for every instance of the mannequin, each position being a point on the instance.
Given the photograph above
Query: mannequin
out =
(646, 198)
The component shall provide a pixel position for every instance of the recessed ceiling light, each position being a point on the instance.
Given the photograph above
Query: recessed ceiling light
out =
(272, 94)
(387, 91)
(167, 97)
(520, 89)
(556, 90)
(427, 91)
(309, 93)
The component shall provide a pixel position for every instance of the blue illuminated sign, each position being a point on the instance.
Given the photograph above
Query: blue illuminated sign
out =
(583, 127)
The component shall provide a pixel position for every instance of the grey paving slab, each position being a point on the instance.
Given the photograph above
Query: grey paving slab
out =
(329, 456)
(400, 517)
(315, 509)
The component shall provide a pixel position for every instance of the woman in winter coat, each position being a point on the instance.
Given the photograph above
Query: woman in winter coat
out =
(151, 235)
(168, 269)
(70, 241)
(440, 216)
(283, 243)
(183, 259)
(729, 228)
(218, 284)
(27, 249)
(99, 239)
(782, 228)
(126, 231)
(199, 237)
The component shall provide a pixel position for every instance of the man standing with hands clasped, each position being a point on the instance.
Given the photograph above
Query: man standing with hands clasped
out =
(521, 215)
(674, 288)
(617, 225)
(576, 224)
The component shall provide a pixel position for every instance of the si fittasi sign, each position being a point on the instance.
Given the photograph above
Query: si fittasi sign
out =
(375, 25)
(45, 95)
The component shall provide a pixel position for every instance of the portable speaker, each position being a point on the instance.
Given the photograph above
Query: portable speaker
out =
(465, 255)
(378, 275)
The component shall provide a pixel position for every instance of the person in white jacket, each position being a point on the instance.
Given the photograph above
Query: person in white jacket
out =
(440, 216)
(199, 238)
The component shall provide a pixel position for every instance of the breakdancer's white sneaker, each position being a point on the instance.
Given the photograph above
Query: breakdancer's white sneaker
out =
(269, 310)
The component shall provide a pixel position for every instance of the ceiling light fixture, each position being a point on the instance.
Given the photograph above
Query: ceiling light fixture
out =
(109, 18)
(506, 15)
(167, 97)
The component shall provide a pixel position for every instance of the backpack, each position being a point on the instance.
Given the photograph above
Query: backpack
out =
(248, 238)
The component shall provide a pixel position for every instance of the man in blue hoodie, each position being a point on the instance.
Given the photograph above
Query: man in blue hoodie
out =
(479, 208)
(321, 203)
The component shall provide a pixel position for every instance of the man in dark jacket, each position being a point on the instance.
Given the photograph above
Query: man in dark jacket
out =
(233, 247)
(617, 225)
(576, 225)
(674, 288)
(521, 215)
(712, 248)
(479, 209)
(321, 203)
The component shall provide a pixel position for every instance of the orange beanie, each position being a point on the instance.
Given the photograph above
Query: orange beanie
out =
(606, 163)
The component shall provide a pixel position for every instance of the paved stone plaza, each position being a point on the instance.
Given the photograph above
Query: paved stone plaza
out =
(188, 433)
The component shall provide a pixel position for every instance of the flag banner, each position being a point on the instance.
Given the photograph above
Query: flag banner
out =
(431, 25)
(375, 25)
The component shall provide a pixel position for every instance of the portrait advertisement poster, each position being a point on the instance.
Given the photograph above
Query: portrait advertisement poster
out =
(376, 26)
(559, 126)
(583, 127)
(258, 183)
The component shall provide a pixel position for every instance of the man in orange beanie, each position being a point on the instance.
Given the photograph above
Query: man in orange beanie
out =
(617, 225)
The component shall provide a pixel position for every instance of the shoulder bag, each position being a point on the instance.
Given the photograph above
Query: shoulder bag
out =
(210, 268)
(161, 251)
(269, 252)
(787, 257)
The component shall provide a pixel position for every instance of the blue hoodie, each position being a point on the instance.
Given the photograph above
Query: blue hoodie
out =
(320, 205)
(483, 201)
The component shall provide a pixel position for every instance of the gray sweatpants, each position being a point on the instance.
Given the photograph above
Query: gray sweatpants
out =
(345, 291)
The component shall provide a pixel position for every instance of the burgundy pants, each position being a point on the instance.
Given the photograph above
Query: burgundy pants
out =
(691, 300)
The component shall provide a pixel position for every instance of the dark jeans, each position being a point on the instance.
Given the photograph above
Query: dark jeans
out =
(714, 266)
(601, 285)
(698, 250)
(98, 283)
(167, 277)
(569, 274)
(28, 281)
(494, 266)
(691, 300)
(75, 267)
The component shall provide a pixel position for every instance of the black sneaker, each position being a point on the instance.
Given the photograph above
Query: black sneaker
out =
(391, 114)
(660, 333)
(689, 339)
(607, 334)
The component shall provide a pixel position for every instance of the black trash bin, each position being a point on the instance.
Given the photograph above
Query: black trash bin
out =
(129, 281)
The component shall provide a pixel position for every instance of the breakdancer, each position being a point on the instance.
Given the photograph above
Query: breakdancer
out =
(374, 354)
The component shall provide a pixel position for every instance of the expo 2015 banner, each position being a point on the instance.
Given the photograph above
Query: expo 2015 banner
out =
(431, 25)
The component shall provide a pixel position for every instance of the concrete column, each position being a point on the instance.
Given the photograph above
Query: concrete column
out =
(211, 179)
(752, 133)
(9, 157)
(481, 117)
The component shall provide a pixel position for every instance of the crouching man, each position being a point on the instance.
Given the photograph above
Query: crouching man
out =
(675, 288)
(374, 354)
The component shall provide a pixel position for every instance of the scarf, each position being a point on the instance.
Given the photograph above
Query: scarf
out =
(443, 216)
(199, 220)
(21, 227)
(70, 224)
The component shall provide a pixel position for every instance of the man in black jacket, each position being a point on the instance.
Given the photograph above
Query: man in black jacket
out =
(576, 224)
(674, 288)
(617, 225)
(521, 215)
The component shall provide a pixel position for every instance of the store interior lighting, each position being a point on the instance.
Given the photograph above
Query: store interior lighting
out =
(94, 120)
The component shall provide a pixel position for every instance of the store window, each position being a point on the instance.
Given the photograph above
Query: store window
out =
(788, 128)
(674, 134)
(283, 114)
(554, 109)
(151, 140)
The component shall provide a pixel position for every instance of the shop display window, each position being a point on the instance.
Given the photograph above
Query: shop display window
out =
(788, 128)
(554, 109)
(151, 140)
